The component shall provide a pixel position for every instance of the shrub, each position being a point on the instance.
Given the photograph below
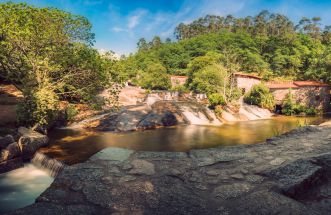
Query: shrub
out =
(260, 95)
(292, 108)
(71, 112)
(41, 107)
(216, 99)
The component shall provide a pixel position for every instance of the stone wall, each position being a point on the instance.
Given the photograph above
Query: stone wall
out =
(318, 97)
(246, 83)
(311, 96)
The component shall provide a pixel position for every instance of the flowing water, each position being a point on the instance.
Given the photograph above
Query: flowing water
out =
(20, 187)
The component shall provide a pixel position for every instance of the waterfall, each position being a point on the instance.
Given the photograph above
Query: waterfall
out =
(198, 114)
(52, 166)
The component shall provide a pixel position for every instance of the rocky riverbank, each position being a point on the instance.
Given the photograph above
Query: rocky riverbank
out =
(288, 174)
(14, 149)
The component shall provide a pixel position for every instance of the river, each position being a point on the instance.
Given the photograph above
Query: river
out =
(20, 187)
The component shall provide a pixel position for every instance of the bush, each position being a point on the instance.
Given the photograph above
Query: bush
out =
(292, 108)
(71, 112)
(260, 95)
(39, 107)
(216, 99)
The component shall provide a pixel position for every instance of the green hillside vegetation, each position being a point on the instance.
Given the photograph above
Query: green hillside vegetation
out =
(268, 44)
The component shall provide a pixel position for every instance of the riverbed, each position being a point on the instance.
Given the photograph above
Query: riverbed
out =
(20, 187)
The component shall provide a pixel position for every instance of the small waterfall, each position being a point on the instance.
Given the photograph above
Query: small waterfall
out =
(52, 166)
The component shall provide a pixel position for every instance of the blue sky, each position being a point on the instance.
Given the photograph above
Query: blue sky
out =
(118, 24)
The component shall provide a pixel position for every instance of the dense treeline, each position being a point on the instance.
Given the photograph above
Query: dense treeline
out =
(47, 54)
(268, 44)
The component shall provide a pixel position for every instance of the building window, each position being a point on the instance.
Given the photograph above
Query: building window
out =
(317, 98)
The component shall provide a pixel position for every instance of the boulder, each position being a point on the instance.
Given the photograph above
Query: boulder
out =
(5, 141)
(11, 164)
(154, 119)
(30, 142)
(11, 151)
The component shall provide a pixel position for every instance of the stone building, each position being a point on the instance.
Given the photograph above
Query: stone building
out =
(245, 81)
(308, 93)
(177, 80)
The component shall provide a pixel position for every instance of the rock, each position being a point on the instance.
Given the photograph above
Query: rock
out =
(12, 164)
(207, 157)
(30, 142)
(112, 154)
(155, 119)
(212, 172)
(233, 190)
(5, 141)
(263, 202)
(277, 161)
(296, 176)
(142, 167)
(11, 151)
(238, 176)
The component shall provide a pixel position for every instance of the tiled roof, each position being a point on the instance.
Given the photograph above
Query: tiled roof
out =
(247, 75)
(310, 84)
(281, 85)
(294, 84)
(179, 76)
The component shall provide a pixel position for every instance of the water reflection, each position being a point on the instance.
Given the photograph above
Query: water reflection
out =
(20, 187)
(72, 146)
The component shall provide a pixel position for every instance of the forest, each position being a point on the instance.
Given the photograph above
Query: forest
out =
(268, 44)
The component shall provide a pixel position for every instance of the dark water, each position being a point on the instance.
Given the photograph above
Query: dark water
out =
(20, 187)
(72, 146)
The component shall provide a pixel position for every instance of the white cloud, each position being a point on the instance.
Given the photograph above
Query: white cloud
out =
(118, 29)
(134, 20)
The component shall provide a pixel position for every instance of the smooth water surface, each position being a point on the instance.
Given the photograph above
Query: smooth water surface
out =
(21, 187)
(72, 146)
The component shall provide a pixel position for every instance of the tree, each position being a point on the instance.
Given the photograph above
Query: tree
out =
(47, 54)
(142, 45)
(154, 77)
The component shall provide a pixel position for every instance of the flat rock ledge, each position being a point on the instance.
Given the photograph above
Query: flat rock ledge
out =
(288, 174)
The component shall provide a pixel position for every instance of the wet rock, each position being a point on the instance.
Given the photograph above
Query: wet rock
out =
(5, 141)
(154, 119)
(142, 167)
(30, 142)
(233, 190)
(162, 155)
(10, 152)
(11, 164)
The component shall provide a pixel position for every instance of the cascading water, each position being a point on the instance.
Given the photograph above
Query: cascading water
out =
(52, 166)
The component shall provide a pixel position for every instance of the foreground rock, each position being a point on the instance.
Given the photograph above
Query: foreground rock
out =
(290, 174)
(13, 153)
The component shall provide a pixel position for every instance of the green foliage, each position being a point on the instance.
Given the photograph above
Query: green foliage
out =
(268, 44)
(71, 112)
(47, 54)
(260, 95)
(210, 79)
(216, 99)
(154, 77)
(39, 106)
(290, 107)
